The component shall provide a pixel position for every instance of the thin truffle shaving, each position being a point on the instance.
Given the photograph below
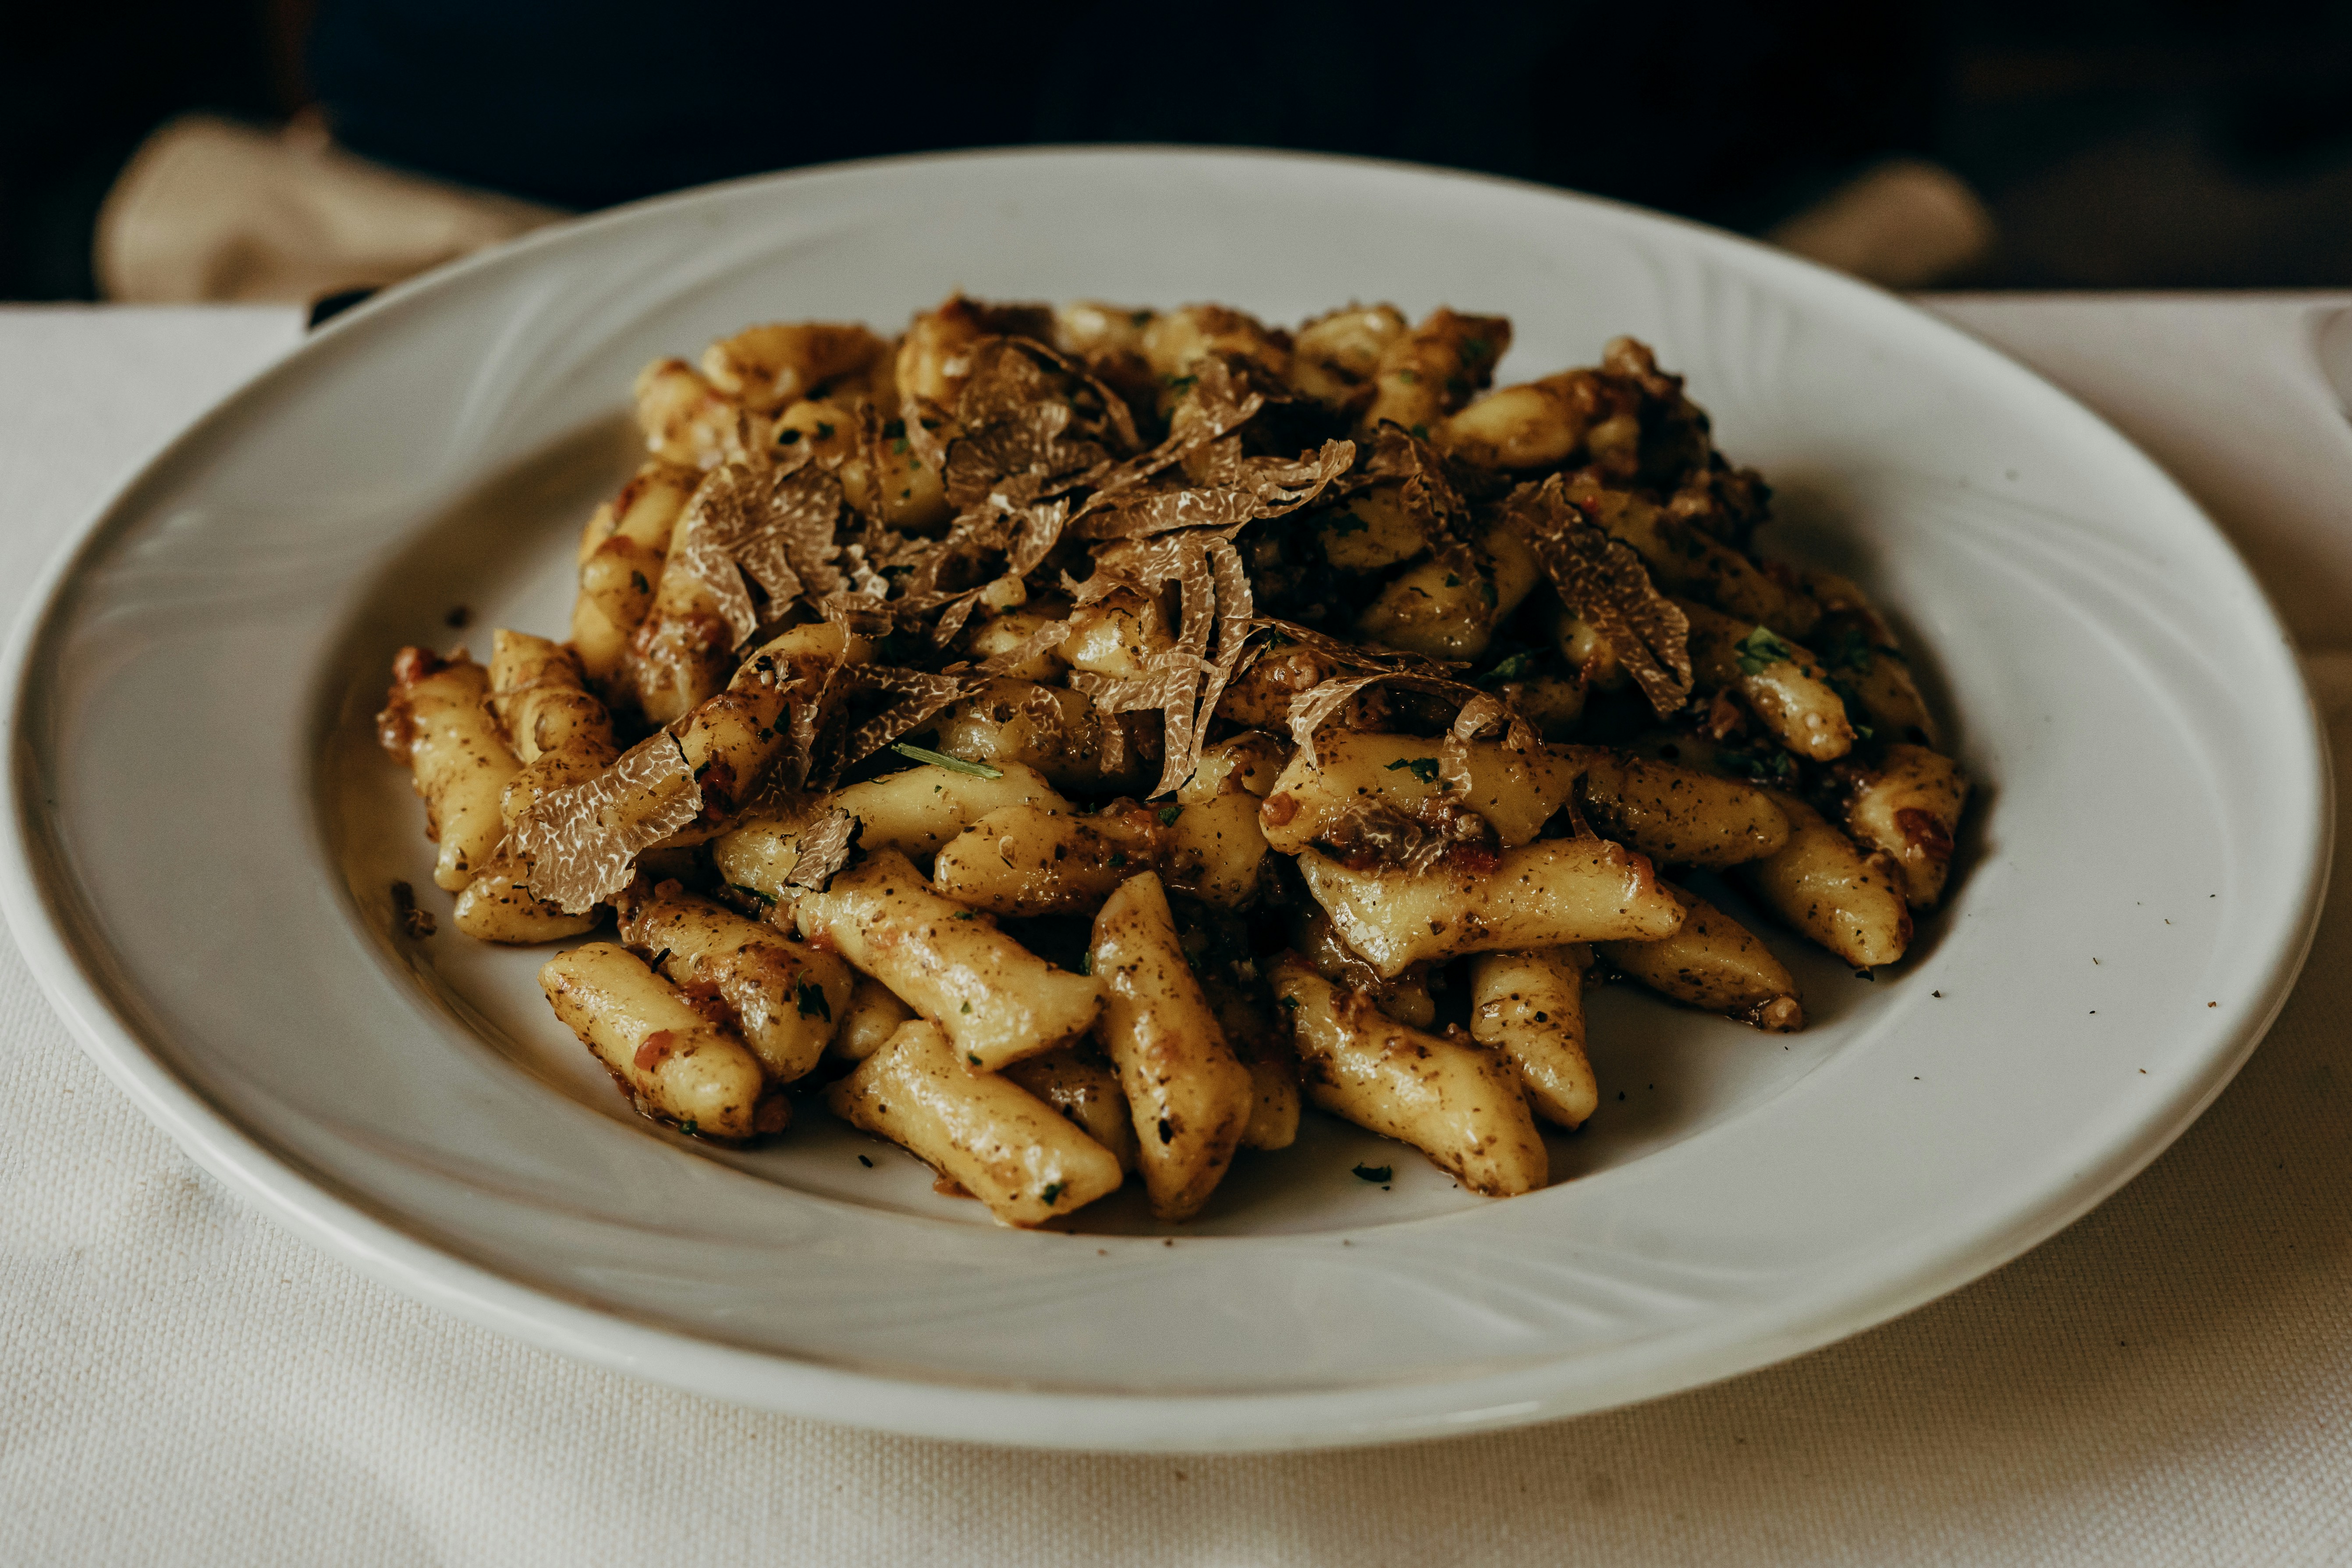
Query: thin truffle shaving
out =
(581, 842)
(1601, 579)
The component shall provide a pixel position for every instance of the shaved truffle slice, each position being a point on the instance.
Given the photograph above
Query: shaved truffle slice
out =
(583, 842)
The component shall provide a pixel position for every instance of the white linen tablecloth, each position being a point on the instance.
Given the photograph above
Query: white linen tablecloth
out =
(2169, 1380)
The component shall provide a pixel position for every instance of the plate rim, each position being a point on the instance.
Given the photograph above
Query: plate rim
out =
(317, 1208)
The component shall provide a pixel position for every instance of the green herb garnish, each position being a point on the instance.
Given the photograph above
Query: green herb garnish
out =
(1376, 1173)
(811, 997)
(1760, 649)
(1169, 814)
(941, 760)
(1519, 666)
(1052, 1191)
(1423, 768)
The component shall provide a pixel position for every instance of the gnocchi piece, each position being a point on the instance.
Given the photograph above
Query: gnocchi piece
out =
(498, 906)
(996, 1001)
(1052, 729)
(729, 739)
(872, 1015)
(1543, 894)
(1086, 1091)
(1448, 607)
(1003, 1145)
(1007, 632)
(1334, 356)
(1260, 696)
(1250, 761)
(1552, 703)
(1529, 1005)
(1785, 686)
(765, 367)
(437, 719)
(1265, 1051)
(937, 355)
(1715, 964)
(688, 422)
(1190, 1096)
(1535, 424)
(1118, 635)
(1586, 652)
(784, 998)
(1907, 803)
(1517, 791)
(618, 576)
(676, 1064)
(1176, 342)
(1676, 815)
(917, 810)
(1214, 850)
(557, 729)
(1864, 659)
(1404, 996)
(1461, 1104)
(1851, 900)
(1371, 529)
(1025, 861)
(1428, 373)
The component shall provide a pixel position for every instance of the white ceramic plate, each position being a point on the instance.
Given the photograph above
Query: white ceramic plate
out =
(205, 836)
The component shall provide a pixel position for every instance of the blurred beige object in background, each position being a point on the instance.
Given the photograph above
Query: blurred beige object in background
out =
(1903, 225)
(210, 210)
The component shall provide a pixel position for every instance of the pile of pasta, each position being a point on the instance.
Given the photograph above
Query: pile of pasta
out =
(1062, 739)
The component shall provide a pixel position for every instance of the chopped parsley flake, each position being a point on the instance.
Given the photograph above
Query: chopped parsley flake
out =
(1052, 1192)
(823, 432)
(1376, 1173)
(967, 1007)
(1760, 649)
(1517, 666)
(763, 898)
(1169, 814)
(1086, 961)
(941, 760)
(1423, 768)
(811, 998)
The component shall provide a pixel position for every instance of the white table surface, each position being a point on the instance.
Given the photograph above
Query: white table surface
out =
(2168, 1380)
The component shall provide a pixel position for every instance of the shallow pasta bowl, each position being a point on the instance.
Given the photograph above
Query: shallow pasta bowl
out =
(206, 842)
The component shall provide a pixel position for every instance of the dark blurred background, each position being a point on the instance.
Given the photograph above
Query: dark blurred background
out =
(2181, 144)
